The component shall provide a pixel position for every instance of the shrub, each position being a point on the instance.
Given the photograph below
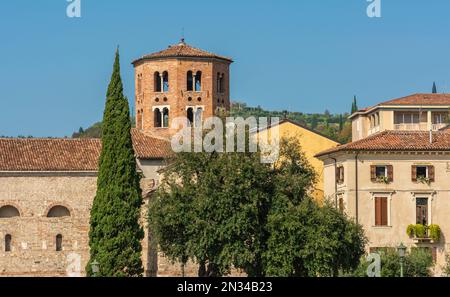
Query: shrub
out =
(446, 268)
(417, 263)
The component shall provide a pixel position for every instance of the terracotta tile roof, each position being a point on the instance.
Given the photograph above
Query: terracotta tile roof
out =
(147, 147)
(413, 100)
(397, 141)
(181, 50)
(420, 99)
(60, 154)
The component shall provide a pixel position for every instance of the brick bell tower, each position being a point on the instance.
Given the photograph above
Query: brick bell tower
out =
(180, 81)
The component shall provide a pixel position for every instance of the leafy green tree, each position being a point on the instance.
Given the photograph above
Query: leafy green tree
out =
(308, 240)
(115, 232)
(434, 90)
(210, 208)
(314, 122)
(222, 210)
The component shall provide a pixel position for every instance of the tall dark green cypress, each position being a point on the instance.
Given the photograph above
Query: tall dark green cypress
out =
(341, 122)
(354, 105)
(115, 232)
(434, 90)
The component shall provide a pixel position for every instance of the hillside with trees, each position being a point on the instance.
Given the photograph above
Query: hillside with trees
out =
(335, 126)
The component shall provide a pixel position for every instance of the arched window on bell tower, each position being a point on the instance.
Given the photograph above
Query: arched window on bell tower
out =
(198, 117)
(165, 78)
(157, 118)
(157, 82)
(165, 117)
(189, 81)
(198, 81)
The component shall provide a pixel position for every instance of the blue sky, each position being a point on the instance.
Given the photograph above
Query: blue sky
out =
(307, 55)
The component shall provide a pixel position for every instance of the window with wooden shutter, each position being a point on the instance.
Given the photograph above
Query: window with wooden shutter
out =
(381, 211)
(340, 174)
(341, 204)
(373, 175)
(414, 173)
(431, 173)
(390, 173)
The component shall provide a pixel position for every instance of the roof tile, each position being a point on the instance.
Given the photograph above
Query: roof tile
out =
(182, 50)
(61, 154)
(397, 141)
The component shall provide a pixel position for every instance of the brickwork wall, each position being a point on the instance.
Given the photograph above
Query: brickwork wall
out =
(178, 98)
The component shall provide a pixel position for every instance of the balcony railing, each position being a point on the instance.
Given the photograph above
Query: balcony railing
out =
(436, 127)
(411, 127)
(418, 127)
(374, 130)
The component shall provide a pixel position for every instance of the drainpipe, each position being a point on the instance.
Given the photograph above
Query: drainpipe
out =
(335, 183)
(356, 187)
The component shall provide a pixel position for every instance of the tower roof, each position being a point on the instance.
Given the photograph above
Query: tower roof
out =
(182, 50)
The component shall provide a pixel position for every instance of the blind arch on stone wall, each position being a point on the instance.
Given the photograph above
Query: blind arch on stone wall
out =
(58, 211)
(8, 211)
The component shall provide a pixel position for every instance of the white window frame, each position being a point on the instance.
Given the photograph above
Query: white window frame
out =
(194, 110)
(385, 170)
(426, 170)
(161, 109)
(426, 194)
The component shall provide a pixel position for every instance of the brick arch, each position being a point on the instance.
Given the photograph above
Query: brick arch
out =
(13, 204)
(72, 213)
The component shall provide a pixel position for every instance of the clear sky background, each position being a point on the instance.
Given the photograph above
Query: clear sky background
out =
(300, 55)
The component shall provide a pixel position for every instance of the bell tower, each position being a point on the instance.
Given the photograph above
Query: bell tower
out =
(180, 81)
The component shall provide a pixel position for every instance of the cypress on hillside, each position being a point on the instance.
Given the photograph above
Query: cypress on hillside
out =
(354, 105)
(115, 232)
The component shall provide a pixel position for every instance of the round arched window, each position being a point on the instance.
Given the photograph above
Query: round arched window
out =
(58, 211)
(9, 211)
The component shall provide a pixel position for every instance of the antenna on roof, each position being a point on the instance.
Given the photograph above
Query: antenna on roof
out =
(182, 36)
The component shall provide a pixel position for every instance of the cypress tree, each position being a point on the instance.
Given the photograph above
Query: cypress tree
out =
(434, 91)
(341, 122)
(354, 105)
(115, 232)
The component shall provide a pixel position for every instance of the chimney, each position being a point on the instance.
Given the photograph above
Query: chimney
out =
(431, 136)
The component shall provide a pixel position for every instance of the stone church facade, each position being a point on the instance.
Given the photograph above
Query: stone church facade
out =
(47, 186)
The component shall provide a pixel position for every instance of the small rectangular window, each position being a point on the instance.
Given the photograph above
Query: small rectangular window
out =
(340, 174)
(421, 172)
(381, 211)
(380, 171)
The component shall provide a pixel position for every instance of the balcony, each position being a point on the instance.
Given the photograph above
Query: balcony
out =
(418, 127)
(411, 127)
(436, 127)
(374, 130)
(423, 233)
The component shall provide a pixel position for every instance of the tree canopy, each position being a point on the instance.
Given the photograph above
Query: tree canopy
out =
(225, 210)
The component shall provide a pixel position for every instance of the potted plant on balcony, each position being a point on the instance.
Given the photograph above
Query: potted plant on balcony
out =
(383, 179)
(424, 180)
(411, 230)
(434, 232)
(421, 233)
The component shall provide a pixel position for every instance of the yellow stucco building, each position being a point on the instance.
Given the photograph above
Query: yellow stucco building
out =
(312, 143)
